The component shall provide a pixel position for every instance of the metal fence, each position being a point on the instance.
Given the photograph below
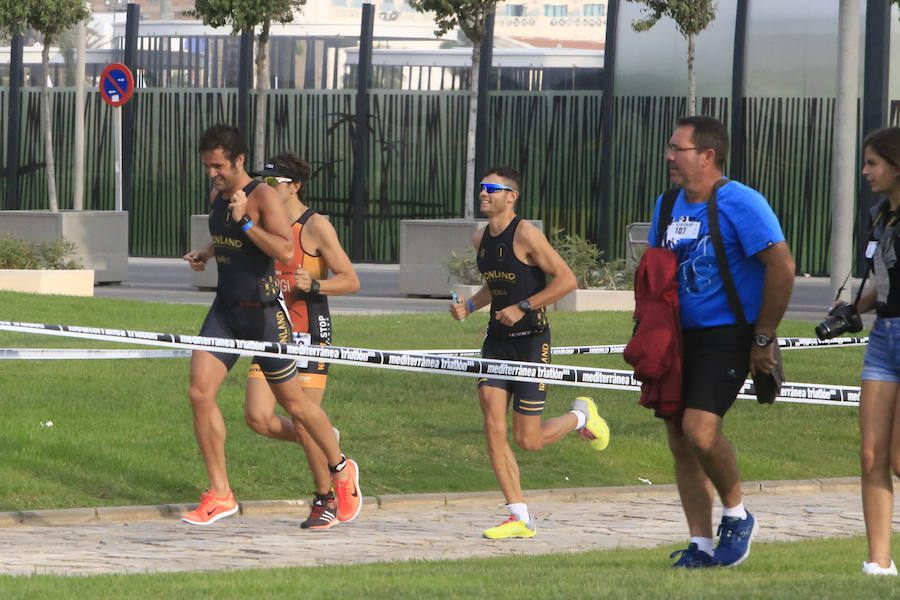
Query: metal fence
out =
(417, 154)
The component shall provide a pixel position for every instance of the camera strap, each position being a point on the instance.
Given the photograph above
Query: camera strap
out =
(712, 215)
(665, 214)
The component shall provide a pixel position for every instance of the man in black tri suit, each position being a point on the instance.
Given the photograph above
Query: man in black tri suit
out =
(515, 258)
(249, 228)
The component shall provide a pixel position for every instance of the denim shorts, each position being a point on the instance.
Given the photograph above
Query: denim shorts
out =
(882, 360)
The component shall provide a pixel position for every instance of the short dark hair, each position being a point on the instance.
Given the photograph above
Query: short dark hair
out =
(507, 173)
(295, 164)
(886, 144)
(709, 134)
(226, 137)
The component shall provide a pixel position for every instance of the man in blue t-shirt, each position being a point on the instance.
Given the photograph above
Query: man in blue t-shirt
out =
(718, 352)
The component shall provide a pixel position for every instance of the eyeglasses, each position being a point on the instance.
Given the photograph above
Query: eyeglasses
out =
(678, 149)
(274, 181)
(493, 188)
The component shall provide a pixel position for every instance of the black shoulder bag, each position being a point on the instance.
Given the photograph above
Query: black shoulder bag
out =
(766, 385)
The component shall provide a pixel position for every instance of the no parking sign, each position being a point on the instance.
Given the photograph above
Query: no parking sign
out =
(116, 88)
(116, 84)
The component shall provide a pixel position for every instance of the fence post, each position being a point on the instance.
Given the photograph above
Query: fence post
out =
(359, 197)
(132, 17)
(481, 119)
(245, 78)
(738, 130)
(607, 125)
(16, 75)
(875, 105)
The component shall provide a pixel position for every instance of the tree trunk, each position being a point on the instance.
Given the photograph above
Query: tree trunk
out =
(469, 209)
(48, 129)
(78, 174)
(262, 84)
(692, 83)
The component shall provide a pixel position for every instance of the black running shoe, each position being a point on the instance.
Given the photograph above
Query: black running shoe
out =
(323, 514)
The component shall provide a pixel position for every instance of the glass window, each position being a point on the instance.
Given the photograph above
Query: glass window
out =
(556, 10)
(594, 10)
(514, 10)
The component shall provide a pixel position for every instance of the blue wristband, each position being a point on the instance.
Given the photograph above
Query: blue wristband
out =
(247, 225)
(471, 308)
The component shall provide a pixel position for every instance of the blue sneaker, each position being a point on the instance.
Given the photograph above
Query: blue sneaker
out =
(692, 557)
(734, 540)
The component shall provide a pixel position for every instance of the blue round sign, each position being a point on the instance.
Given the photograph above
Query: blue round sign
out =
(116, 84)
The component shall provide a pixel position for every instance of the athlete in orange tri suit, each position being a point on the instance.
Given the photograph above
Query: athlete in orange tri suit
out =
(306, 286)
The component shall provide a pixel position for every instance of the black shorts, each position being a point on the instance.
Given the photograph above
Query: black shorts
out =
(716, 363)
(266, 322)
(528, 396)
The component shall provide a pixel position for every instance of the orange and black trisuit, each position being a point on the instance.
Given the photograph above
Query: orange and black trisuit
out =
(310, 319)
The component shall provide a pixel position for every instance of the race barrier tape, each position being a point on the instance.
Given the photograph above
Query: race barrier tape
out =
(419, 361)
(785, 343)
(86, 354)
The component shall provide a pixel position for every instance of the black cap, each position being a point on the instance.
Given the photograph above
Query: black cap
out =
(276, 170)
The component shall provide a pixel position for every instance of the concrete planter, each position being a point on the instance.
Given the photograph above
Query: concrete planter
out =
(584, 300)
(101, 236)
(464, 290)
(77, 282)
(425, 246)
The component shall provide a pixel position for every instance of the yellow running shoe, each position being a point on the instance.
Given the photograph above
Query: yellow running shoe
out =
(211, 509)
(595, 430)
(510, 528)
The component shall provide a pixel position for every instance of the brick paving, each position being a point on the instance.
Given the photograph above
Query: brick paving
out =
(152, 539)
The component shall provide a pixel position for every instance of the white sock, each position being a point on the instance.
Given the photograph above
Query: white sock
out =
(735, 511)
(520, 511)
(703, 544)
(582, 418)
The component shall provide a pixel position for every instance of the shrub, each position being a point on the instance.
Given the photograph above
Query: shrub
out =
(464, 269)
(582, 256)
(18, 253)
(586, 261)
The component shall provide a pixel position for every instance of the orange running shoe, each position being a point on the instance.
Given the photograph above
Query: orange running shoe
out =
(211, 509)
(347, 494)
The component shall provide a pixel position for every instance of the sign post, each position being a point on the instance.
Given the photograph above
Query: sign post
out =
(116, 88)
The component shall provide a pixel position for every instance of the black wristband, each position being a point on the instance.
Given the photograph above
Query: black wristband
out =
(314, 287)
(244, 220)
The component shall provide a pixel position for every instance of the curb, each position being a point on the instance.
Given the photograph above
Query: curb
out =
(257, 508)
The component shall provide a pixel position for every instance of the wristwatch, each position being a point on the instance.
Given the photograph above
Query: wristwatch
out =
(244, 220)
(524, 305)
(762, 340)
(314, 287)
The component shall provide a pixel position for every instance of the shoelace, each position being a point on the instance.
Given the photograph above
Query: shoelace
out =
(725, 533)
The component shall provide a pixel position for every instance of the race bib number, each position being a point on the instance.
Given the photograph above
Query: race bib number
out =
(682, 230)
(302, 339)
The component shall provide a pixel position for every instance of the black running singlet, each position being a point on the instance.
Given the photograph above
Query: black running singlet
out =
(246, 273)
(510, 281)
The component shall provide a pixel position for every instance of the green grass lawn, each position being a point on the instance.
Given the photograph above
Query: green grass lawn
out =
(122, 429)
(122, 435)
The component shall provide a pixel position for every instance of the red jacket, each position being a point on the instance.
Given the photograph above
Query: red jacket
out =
(655, 350)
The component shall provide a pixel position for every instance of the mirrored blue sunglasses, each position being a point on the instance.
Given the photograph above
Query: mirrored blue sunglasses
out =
(493, 188)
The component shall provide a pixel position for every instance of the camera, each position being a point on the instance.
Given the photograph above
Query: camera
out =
(841, 318)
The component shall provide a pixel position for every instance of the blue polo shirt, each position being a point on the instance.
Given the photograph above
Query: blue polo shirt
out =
(748, 225)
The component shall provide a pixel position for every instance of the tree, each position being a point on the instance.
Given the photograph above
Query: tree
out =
(247, 15)
(691, 18)
(50, 18)
(471, 17)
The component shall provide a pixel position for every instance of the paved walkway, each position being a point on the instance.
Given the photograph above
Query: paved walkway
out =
(393, 528)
